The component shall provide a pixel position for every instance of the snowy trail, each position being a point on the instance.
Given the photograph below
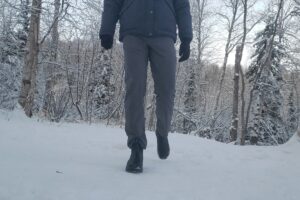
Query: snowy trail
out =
(45, 161)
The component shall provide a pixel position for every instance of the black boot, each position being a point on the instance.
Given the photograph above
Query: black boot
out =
(163, 148)
(135, 162)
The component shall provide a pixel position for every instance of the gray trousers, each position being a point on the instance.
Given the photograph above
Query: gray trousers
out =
(161, 53)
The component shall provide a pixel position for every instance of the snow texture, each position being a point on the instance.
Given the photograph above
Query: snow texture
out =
(47, 161)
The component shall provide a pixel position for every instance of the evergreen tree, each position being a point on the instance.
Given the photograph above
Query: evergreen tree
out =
(266, 125)
(10, 55)
(292, 114)
(189, 102)
(13, 35)
(8, 43)
(101, 86)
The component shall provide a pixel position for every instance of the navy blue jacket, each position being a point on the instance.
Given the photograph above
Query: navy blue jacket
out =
(148, 18)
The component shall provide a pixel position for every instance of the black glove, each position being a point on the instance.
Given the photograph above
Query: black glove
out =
(184, 51)
(107, 41)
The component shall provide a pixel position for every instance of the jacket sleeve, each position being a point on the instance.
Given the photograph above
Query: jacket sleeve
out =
(110, 16)
(183, 19)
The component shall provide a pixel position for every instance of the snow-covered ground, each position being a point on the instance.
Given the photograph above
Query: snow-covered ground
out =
(47, 161)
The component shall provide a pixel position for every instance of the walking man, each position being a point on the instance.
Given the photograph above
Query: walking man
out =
(148, 30)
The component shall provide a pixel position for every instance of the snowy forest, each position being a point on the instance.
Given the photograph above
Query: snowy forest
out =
(240, 85)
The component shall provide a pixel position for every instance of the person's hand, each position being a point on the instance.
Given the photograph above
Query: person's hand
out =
(107, 41)
(184, 51)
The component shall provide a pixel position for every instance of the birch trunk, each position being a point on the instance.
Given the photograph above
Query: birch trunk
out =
(28, 84)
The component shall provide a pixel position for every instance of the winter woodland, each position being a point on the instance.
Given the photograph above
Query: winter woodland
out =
(241, 84)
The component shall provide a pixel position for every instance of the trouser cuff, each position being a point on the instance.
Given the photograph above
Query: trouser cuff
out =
(136, 140)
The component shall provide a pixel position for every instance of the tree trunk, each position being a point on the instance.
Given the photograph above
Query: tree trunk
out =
(201, 39)
(243, 131)
(235, 104)
(241, 136)
(50, 79)
(28, 85)
(228, 49)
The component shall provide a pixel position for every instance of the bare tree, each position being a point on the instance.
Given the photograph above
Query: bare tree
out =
(237, 72)
(31, 60)
(234, 6)
(203, 35)
(28, 86)
(235, 104)
(53, 58)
